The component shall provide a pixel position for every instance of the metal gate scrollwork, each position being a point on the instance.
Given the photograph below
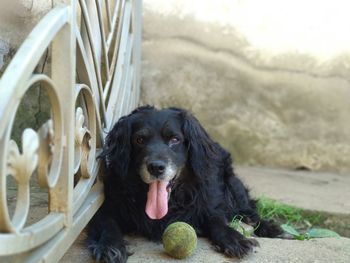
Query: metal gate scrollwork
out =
(93, 78)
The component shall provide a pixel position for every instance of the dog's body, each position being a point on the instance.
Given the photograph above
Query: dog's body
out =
(161, 167)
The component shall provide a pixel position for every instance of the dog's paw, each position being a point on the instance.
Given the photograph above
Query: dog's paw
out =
(108, 254)
(234, 244)
(268, 229)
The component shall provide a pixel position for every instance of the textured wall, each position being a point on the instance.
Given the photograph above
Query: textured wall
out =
(17, 18)
(275, 91)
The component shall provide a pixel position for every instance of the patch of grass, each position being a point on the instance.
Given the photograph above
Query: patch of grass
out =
(298, 223)
(272, 209)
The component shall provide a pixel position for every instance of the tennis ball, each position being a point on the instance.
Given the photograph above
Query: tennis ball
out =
(179, 240)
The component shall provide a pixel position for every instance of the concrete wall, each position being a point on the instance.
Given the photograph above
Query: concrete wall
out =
(17, 19)
(268, 79)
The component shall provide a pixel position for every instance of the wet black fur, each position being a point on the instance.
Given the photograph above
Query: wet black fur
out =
(207, 195)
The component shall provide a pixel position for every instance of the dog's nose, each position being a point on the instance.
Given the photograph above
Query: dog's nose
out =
(156, 168)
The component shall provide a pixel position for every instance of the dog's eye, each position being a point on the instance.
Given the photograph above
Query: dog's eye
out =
(174, 140)
(140, 140)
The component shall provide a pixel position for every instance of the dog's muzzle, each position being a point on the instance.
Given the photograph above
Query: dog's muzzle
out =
(159, 175)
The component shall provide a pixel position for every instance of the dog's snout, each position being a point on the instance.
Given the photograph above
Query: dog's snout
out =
(156, 168)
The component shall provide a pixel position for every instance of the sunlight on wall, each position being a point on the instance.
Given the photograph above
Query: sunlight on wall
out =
(318, 28)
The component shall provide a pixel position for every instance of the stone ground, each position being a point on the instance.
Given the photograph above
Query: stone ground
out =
(325, 192)
(271, 250)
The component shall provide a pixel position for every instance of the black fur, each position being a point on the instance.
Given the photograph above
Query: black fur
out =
(205, 191)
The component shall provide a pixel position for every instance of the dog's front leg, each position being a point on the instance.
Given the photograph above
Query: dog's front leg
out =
(227, 240)
(105, 240)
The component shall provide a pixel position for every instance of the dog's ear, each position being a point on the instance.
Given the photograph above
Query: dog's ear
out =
(203, 152)
(117, 147)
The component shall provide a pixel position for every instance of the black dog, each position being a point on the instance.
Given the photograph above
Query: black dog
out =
(161, 166)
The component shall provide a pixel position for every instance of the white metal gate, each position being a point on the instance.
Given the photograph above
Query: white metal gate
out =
(94, 50)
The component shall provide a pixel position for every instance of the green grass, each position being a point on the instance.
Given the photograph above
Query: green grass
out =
(298, 223)
(272, 209)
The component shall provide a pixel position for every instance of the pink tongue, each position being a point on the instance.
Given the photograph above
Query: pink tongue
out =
(157, 200)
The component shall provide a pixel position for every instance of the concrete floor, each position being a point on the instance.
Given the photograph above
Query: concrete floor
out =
(322, 191)
(326, 250)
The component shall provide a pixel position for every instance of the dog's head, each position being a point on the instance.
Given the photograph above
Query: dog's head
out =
(155, 145)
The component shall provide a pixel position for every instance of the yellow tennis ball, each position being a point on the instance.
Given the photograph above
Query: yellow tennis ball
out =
(179, 240)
